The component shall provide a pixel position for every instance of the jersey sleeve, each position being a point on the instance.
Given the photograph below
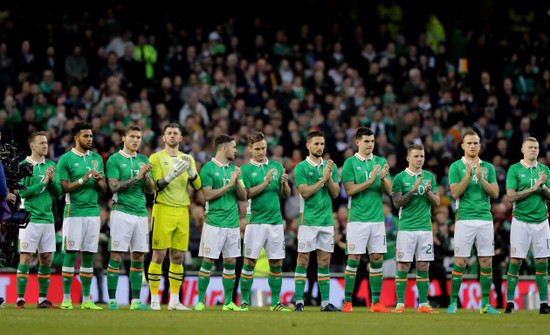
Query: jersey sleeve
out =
(112, 168)
(347, 172)
(547, 171)
(245, 178)
(206, 176)
(55, 185)
(62, 169)
(434, 182)
(396, 184)
(491, 175)
(511, 179)
(454, 176)
(300, 175)
(335, 174)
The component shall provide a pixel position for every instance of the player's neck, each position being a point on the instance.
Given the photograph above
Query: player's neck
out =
(316, 160)
(260, 162)
(80, 149)
(530, 162)
(128, 151)
(415, 170)
(472, 159)
(172, 151)
(220, 157)
(36, 157)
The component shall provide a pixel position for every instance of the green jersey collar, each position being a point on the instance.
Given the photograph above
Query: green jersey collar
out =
(30, 160)
(466, 161)
(313, 163)
(126, 155)
(219, 164)
(412, 174)
(253, 162)
(78, 153)
(370, 158)
(529, 166)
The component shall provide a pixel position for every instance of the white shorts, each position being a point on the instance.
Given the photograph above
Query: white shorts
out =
(361, 236)
(315, 238)
(414, 244)
(81, 233)
(129, 231)
(268, 236)
(479, 231)
(39, 236)
(525, 236)
(216, 240)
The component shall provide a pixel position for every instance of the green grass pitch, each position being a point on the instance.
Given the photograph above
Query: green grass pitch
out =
(262, 321)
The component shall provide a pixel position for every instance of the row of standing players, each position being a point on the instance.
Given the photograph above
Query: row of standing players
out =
(79, 175)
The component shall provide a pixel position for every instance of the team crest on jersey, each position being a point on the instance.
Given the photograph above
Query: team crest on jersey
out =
(400, 254)
(95, 164)
(116, 244)
(426, 182)
(70, 243)
(301, 246)
(141, 164)
(484, 172)
(24, 245)
(541, 173)
(248, 251)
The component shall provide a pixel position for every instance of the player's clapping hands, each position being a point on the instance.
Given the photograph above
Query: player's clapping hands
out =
(284, 177)
(188, 166)
(384, 172)
(416, 184)
(235, 176)
(269, 175)
(143, 171)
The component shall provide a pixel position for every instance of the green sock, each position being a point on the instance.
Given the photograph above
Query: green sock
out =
(112, 277)
(423, 286)
(456, 282)
(275, 281)
(67, 272)
(512, 281)
(349, 279)
(375, 281)
(247, 277)
(486, 281)
(204, 279)
(401, 282)
(541, 278)
(136, 277)
(44, 280)
(300, 277)
(323, 278)
(22, 279)
(86, 273)
(228, 280)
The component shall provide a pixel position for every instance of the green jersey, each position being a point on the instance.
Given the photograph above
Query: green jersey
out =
(122, 166)
(317, 209)
(265, 207)
(416, 214)
(365, 206)
(71, 167)
(38, 197)
(474, 203)
(521, 177)
(223, 211)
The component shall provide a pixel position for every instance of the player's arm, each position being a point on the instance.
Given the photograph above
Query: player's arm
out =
(99, 182)
(196, 179)
(54, 187)
(252, 192)
(352, 188)
(332, 181)
(399, 199)
(149, 185)
(513, 195)
(490, 188)
(285, 187)
(33, 190)
(386, 182)
(433, 196)
(69, 187)
(457, 189)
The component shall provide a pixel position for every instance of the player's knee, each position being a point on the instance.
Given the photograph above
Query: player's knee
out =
(46, 259)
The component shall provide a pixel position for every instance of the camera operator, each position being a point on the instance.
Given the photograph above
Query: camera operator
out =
(40, 232)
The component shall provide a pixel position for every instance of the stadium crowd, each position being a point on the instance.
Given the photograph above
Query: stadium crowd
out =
(236, 76)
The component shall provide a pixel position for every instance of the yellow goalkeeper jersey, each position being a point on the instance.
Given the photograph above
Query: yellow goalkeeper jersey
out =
(176, 193)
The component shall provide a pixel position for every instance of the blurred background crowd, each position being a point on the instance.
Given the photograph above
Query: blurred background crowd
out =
(412, 73)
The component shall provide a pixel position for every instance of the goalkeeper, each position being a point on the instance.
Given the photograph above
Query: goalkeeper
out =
(172, 172)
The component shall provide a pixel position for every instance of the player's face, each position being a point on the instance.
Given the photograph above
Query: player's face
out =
(172, 137)
(85, 139)
(365, 145)
(416, 159)
(39, 145)
(132, 140)
(231, 150)
(530, 150)
(471, 145)
(316, 146)
(258, 151)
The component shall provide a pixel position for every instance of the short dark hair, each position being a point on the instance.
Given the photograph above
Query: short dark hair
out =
(255, 137)
(173, 125)
(222, 139)
(414, 147)
(363, 131)
(469, 132)
(79, 126)
(313, 134)
(34, 134)
(131, 128)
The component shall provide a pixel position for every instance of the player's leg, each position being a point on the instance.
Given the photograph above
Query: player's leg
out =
(161, 238)
(300, 277)
(72, 242)
(204, 280)
(46, 248)
(424, 255)
(464, 239)
(541, 251)
(255, 238)
(136, 278)
(154, 276)
(247, 278)
(541, 278)
(113, 270)
(520, 239)
(377, 248)
(512, 279)
(356, 245)
(323, 279)
(210, 249)
(119, 241)
(275, 250)
(231, 250)
(485, 246)
(405, 246)
(178, 246)
(25, 259)
(90, 241)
